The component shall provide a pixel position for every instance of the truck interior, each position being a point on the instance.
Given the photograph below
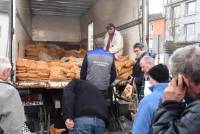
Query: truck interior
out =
(63, 26)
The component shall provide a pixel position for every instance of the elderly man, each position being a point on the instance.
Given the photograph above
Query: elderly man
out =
(179, 111)
(113, 41)
(11, 109)
(146, 63)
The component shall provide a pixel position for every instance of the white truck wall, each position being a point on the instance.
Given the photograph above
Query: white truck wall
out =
(131, 36)
(118, 12)
(4, 26)
(22, 26)
(55, 28)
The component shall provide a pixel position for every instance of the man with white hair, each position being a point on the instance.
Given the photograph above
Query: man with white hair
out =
(146, 63)
(11, 108)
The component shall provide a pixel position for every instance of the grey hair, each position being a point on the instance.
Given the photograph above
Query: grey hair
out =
(4, 63)
(186, 61)
(148, 59)
(99, 43)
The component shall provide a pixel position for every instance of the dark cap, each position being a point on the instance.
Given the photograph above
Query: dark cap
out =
(109, 26)
(160, 73)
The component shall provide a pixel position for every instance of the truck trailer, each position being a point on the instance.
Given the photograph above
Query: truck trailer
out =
(67, 24)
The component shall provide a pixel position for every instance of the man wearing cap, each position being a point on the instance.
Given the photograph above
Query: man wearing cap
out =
(113, 41)
(159, 76)
(11, 108)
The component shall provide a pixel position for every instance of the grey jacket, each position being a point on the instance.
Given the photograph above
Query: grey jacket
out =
(11, 109)
(98, 67)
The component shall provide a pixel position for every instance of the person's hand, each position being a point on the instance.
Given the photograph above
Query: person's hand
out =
(69, 124)
(176, 89)
(116, 57)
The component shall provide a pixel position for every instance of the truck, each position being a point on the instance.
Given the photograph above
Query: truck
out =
(71, 24)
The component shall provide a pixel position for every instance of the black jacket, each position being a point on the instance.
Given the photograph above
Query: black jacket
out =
(138, 75)
(81, 98)
(177, 118)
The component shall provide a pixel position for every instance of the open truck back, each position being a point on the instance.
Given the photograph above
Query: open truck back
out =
(62, 25)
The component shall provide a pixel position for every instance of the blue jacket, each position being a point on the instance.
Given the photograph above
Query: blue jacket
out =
(146, 109)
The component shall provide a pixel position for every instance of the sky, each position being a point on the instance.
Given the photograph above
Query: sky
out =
(155, 6)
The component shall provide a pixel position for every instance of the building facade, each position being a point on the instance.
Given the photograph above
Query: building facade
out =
(182, 19)
(156, 33)
(156, 36)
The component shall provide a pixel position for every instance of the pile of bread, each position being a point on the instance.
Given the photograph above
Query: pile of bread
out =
(33, 51)
(41, 70)
(51, 52)
(124, 67)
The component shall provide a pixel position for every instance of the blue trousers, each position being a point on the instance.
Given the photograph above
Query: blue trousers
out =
(88, 125)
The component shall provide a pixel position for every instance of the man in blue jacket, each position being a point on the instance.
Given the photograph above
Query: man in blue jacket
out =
(159, 76)
(99, 68)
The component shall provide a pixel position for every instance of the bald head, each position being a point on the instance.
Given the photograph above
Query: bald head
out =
(146, 63)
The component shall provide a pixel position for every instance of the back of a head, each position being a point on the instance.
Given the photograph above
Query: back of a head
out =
(186, 61)
(4, 63)
(147, 60)
(146, 63)
(160, 73)
(138, 45)
(99, 43)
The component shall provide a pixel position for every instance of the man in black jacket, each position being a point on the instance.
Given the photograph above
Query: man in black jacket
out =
(138, 75)
(84, 108)
(179, 112)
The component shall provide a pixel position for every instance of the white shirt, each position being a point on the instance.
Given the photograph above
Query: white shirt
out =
(116, 45)
(147, 91)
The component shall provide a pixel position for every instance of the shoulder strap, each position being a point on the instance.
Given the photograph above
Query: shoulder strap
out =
(8, 84)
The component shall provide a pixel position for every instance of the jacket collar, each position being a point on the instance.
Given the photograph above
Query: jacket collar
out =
(158, 87)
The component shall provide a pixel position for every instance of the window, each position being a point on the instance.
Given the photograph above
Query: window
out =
(190, 31)
(175, 33)
(165, 2)
(150, 43)
(175, 12)
(151, 28)
(190, 8)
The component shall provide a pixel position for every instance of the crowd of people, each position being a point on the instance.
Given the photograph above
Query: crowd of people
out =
(166, 104)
